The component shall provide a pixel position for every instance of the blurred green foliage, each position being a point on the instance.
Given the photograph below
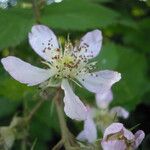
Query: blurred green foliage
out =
(125, 25)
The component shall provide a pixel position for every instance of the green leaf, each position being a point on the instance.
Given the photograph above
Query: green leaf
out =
(42, 135)
(139, 38)
(102, 1)
(15, 24)
(13, 90)
(133, 85)
(146, 143)
(108, 57)
(44, 125)
(7, 107)
(45, 116)
(78, 15)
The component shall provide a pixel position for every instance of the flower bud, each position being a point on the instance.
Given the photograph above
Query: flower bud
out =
(7, 137)
(117, 137)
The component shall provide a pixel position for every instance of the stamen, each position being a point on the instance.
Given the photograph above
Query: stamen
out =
(46, 63)
(76, 82)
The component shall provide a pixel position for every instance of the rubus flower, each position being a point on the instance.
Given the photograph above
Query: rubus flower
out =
(7, 3)
(53, 1)
(64, 65)
(100, 117)
(117, 137)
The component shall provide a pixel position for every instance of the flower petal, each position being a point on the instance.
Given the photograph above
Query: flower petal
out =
(58, 1)
(90, 45)
(99, 82)
(139, 136)
(74, 108)
(128, 134)
(24, 72)
(113, 145)
(113, 128)
(120, 112)
(90, 130)
(44, 42)
(103, 99)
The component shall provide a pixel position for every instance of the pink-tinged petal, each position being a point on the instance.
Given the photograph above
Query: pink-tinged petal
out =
(113, 128)
(73, 108)
(128, 134)
(103, 99)
(90, 45)
(99, 82)
(139, 136)
(44, 42)
(113, 145)
(120, 112)
(89, 133)
(25, 72)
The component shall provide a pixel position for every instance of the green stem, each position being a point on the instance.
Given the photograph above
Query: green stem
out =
(58, 145)
(23, 145)
(36, 11)
(34, 110)
(63, 125)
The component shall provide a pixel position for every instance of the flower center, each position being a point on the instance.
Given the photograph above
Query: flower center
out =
(66, 66)
(67, 60)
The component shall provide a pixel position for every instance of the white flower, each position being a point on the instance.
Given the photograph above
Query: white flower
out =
(53, 1)
(57, 1)
(6, 3)
(117, 137)
(72, 63)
